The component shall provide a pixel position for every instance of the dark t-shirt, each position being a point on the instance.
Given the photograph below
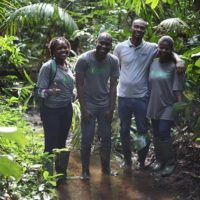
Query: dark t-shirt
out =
(163, 81)
(97, 74)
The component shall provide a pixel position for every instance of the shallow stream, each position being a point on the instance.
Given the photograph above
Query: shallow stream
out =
(128, 185)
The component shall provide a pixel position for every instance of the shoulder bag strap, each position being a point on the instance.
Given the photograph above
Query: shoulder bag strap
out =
(52, 71)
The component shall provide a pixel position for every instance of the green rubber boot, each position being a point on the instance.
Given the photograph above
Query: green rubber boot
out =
(61, 163)
(169, 158)
(85, 160)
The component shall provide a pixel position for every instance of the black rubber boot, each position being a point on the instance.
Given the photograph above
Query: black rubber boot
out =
(85, 160)
(61, 163)
(142, 154)
(158, 154)
(105, 166)
(126, 150)
(105, 162)
(127, 164)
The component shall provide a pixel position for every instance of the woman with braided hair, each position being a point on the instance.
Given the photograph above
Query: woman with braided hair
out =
(55, 85)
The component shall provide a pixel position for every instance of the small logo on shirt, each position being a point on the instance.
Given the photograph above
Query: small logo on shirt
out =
(98, 71)
(158, 74)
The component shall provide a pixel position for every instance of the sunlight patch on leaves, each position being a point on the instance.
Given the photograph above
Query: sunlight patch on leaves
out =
(197, 63)
(153, 3)
(9, 167)
(13, 134)
(10, 129)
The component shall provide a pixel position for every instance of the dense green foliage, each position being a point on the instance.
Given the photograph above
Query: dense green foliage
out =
(21, 157)
(26, 29)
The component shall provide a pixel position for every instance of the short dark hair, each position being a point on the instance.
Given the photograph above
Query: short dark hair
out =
(53, 43)
(168, 39)
(105, 34)
(140, 19)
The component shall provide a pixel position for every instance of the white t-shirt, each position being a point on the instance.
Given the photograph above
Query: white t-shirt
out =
(134, 63)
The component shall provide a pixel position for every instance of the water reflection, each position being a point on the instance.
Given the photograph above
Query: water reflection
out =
(128, 185)
(85, 190)
(105, 188)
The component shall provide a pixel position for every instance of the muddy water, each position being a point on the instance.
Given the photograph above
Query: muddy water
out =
(132, 185)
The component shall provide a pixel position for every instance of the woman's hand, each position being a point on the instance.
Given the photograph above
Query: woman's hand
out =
(54, 91)
(180, 66)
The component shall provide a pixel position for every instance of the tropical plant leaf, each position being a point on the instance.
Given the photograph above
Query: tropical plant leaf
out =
(197, 63)
(172, 25)
(9, 167)
(13, 134)
(179, 106)
(170, 1)
(39, 13)
(192, 52)
(139, 141)
(28, 77)
(197, 126)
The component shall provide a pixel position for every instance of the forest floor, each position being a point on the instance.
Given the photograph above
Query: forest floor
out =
(183, 184)
(186, 178)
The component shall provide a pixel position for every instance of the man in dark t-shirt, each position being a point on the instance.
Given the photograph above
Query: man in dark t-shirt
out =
(97, 72)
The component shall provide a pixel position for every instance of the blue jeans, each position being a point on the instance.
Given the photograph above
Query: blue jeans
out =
(161, 129)
(56, 123)
(127, 107)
